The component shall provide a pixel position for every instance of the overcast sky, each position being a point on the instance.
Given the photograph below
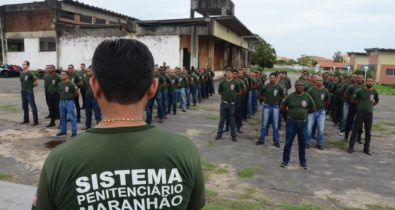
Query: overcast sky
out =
(292, 27)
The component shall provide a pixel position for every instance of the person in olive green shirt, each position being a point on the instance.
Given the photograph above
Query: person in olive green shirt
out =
(83, 75)
(67, 91)
(299, 104)
(272, 95)
(364, 98)
(75, 78)
(90, 101)
(28, 81)
(122, 163)
(51, 81)
(228, 89)
(321, 99)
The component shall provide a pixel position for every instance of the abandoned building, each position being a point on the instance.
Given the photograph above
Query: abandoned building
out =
(67, 32)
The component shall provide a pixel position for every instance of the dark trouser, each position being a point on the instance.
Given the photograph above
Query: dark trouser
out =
(199, 92)
(53, 104)
(187, 93)
(294, 128)
(227, 110)
(212, 89)
(244, 106)
(91, 105)
(165, 98)
(83, 96)
(352, 111)
(77, 107)
(193, 93)
(47, 100)
(172, 100)
(366, 118)
(208, 91)
(203, 88)
(254, 102)
(28, 99)
(150, 107)
(238, 116)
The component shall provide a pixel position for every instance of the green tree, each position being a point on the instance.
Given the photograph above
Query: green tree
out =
(264, 56)
(305, 60)
(337, 57)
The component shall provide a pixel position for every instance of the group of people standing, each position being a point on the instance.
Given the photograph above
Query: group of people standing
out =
(62, 92)
(349, 103)
(184, 87)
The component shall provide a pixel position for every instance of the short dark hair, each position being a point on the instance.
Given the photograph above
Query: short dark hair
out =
(274, 74)
(27, 63)
(123, 69)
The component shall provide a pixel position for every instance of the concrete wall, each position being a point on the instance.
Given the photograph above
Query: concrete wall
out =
(384, 78)
(387, 59)
(222, 32)
(77, 50)
(361, 60)
(163, 48)
(37, 59)
(23, 21)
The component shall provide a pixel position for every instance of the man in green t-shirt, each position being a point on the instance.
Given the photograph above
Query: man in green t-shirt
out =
(321, 99)
(158, 98)
(51, 81)
(90, 101)
(84, 76)
(228, 89)
(77, 80)
(299, 104)
(67, 91)
(364, 98)
(271, 94)
(122, 163)
(28, 81)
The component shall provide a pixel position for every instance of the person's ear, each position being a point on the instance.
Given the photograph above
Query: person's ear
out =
(153, 88)
(96, 89)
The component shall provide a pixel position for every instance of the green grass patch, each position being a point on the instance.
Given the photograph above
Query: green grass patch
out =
(388, 123)
(248, 193)
(9, 108)
(298, 207)
(211, 195)
(212, 117)
(7, 177)
(254, 121)
(385, 89)
(213, 168)
(379, 207)
(248, 172)
(378, 127)
(210, 143)
(340, 144)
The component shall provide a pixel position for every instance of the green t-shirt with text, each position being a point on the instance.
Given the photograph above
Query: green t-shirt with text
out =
(139, 167)
(365, 99)
(67, 90)
(228, 90)
(320, 96)
(273, 94)
(51, 82)
(299, 106)
(27, 79)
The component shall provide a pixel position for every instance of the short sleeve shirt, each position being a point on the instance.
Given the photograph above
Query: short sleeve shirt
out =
(228, 90)
(273, 94)
(27, 79)
(67, 90)
(122, 168)
(298, 106)
(51, 82)
(319, 96)
(365, 99)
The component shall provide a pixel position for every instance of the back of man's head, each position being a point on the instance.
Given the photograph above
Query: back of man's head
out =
(123, 69)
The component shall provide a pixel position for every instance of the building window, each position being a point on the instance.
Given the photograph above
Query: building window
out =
(67, 15)
(390, 72)
(15, 45)
(85, 19)
(47, 44)
(100, 21)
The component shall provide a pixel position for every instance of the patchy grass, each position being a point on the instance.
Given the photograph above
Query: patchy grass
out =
(248, 193)
(212, 117)
(210, 143)
(340, 144)
(248, 172)
(7, 177)
(298, 207)
(378, 127)
(385, 89)
(254, 121)
(388, 123)
(209, 109)
(9, 108)
(379, 207)
(213, 168)
(223, 204)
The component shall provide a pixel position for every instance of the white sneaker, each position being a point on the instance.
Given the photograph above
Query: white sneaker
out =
(341, 134)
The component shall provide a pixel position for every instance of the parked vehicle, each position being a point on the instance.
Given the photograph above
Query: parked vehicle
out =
(8, 70)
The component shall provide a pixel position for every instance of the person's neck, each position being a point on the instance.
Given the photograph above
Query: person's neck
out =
(227, 79)
(25, 70)
(65, 81)
(368, 89)
(118, 115)
(319, 87)
(299, 94)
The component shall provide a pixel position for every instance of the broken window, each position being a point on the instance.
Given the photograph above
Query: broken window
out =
(47, 44)
(100, 21)
(67, 15)
(85, 19)
(15, 45)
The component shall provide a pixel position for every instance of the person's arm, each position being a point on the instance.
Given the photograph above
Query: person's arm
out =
(35, 80)
(311, 104)
(42, 199)
(220, 89)
(376, 99)
(284, 104)
(327, 99)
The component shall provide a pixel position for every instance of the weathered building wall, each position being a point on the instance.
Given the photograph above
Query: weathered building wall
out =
(163, 48)
(21, 21)
(37, 59)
